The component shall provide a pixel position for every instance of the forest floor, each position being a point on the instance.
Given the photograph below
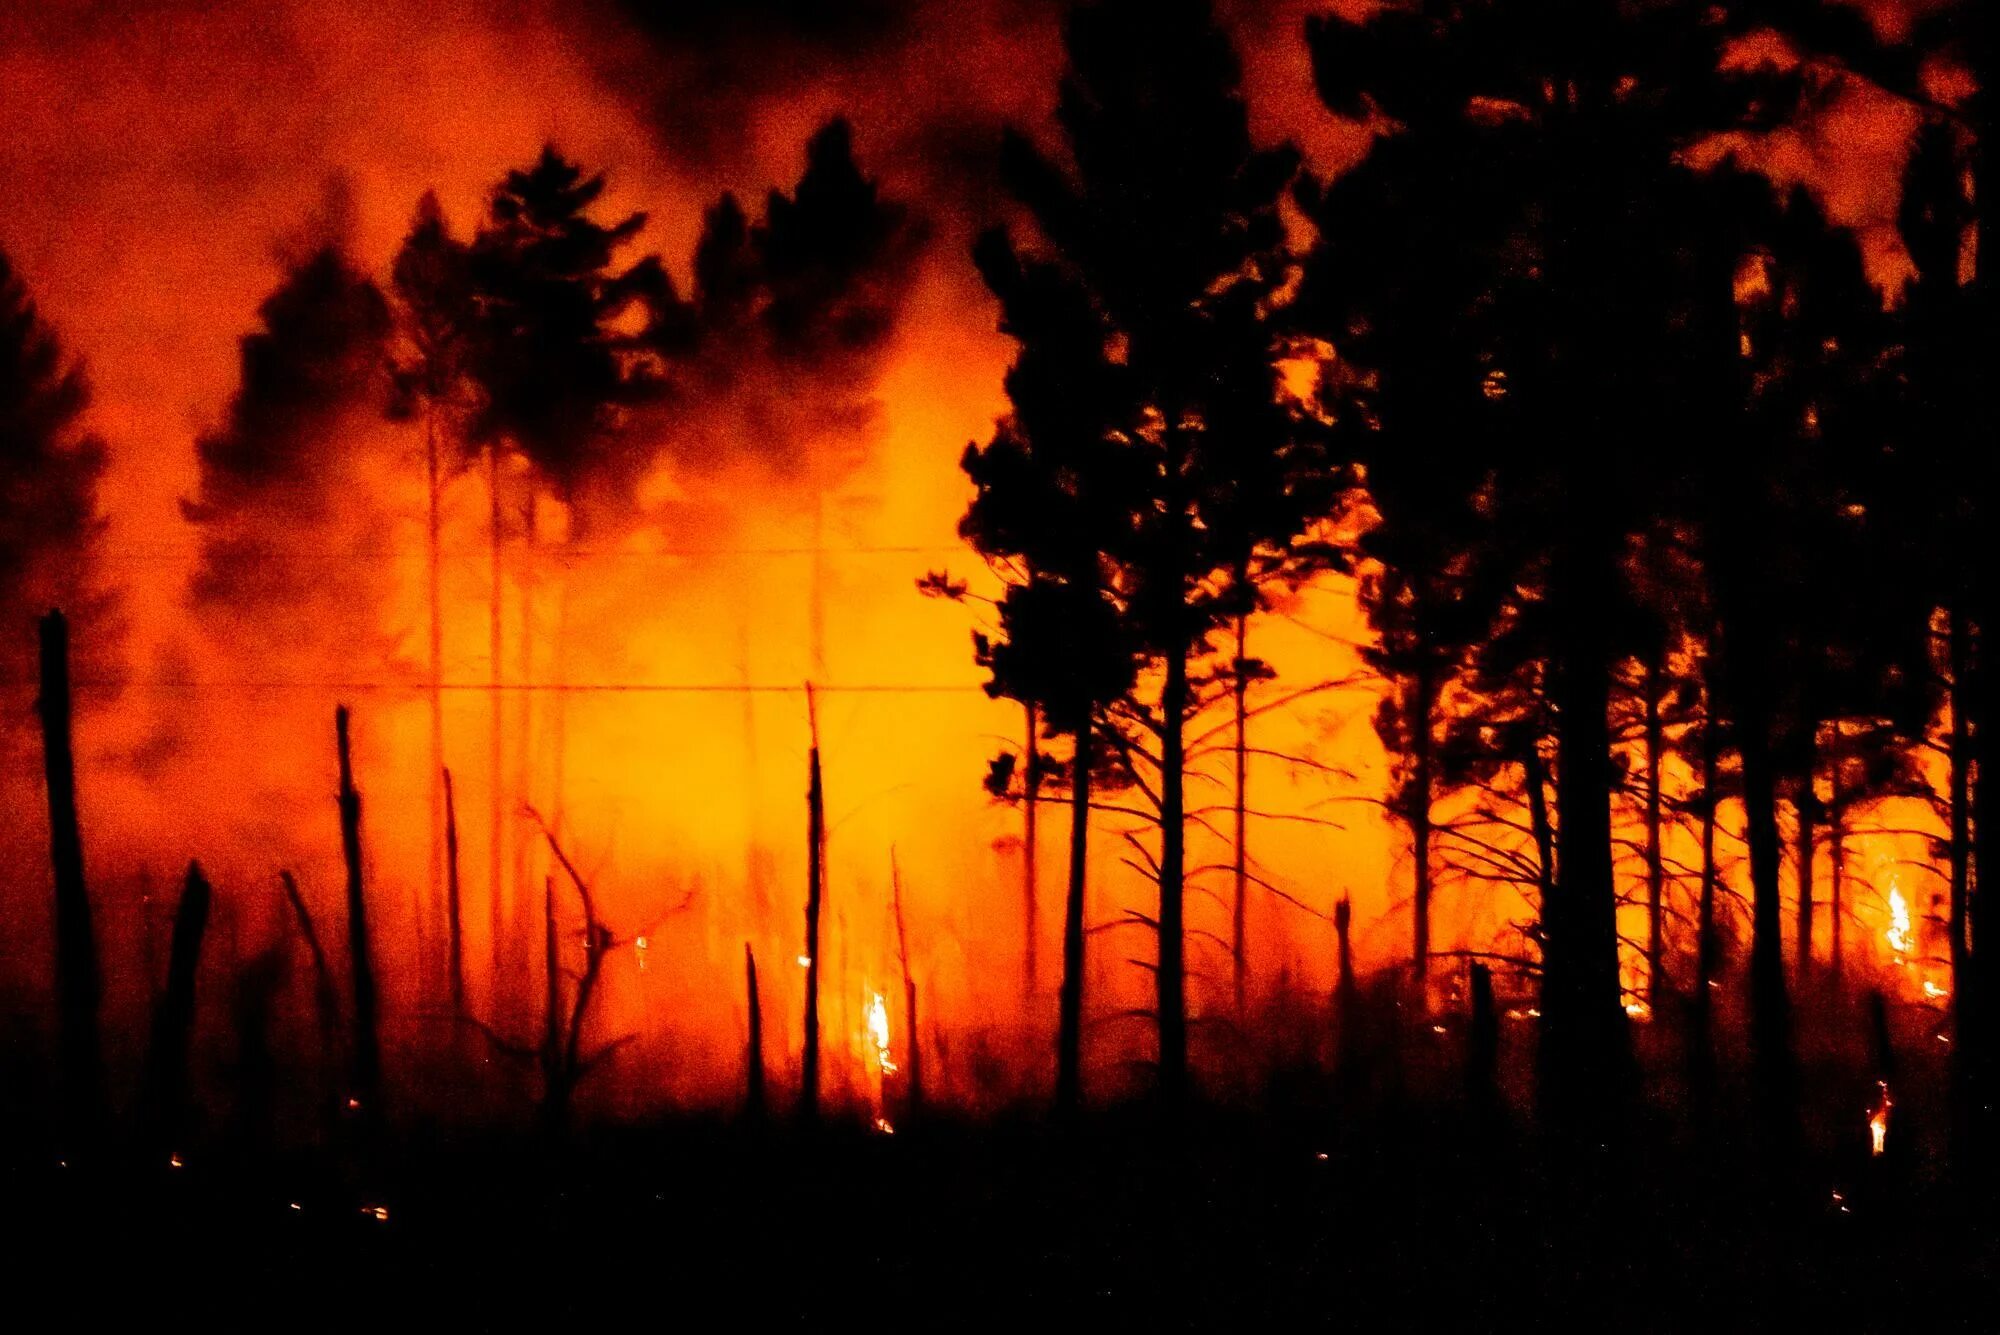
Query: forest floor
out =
(1417, 1219)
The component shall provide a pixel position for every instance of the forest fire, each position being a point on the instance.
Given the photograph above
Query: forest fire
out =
(1395, 581)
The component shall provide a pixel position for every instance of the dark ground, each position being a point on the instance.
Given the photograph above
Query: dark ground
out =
(1417, 1220)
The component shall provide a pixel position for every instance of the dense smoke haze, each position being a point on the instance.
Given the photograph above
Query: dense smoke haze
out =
(1197, 660)
(208, 202)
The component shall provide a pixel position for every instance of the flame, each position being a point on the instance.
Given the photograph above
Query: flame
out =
(878, 1030)
(1878, 1120)
(1898, 935)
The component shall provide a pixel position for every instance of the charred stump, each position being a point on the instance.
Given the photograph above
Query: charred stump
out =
(79, 986)
(367, 1055)
(454, 914)
(173, 1020)
(753, 1049)
(815, 873)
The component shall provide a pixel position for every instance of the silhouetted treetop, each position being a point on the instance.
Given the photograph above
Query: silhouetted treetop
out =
(828, 252)
(567, 339)
(51, 465)
(322, 353)
(432, 280)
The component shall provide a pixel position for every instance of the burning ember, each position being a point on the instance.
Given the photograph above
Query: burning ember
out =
(1898, 935)
(878, 1031)
(1878, 1119)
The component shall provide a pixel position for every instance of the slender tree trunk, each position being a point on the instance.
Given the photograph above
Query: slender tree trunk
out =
(1960, 651)
(1701, 1041)
(1241, 693)
(1030, 860)
(1769, 1019)
(496, 874)
(1170, 974)
(367, 1043)
(1656, 878)
(913, 1058)
(434, 563)
(1806, 811)
(1582, 1018)
(1836, 840)
(753, 1050)
(815, 873)
(454, 916)
(527, 720)
(79, 986)
(1069, 1021)
(1483, 1046)
(554, 1086)
(1535, 778)
(173, 1020)
(1346, 1012)
(1705, 942)
(326, 993)
(1071, 1006)
(1423, 782)
(1804, 845)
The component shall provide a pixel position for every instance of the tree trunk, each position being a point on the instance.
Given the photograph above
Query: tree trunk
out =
(1701, 1042)
(1836, 847)
(753, 1049)
(496, 737)
(555, 1085)
(367, 1049)
(1960, 651)
(913, 1057)
(1170, 975)
(519, 936)
(326, 993)
(1483, 1045)
(1656, 878)
(1582, 1019)
(173, 1019)
(1030, 866)
(79, 986)
(1807, 813)
(1241, 693)
(1424, 706)
(1535, 778)
(434, 571)
(454, 916)
(1346, 1011)
(815, 871)
(1769, 1021)
(1069, 1021)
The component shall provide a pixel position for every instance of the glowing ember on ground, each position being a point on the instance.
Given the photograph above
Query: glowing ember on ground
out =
(1878, 1120)
(882, 1125)
(1934, 992)
(379, 1213)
